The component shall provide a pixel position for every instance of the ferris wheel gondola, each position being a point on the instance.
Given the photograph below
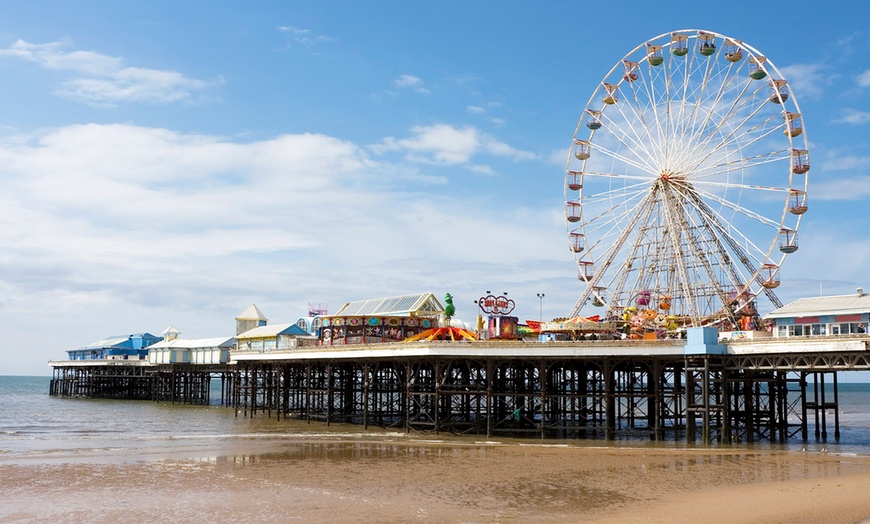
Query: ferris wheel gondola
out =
(687, 179)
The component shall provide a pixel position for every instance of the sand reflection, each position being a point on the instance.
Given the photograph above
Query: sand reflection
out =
(393, 478)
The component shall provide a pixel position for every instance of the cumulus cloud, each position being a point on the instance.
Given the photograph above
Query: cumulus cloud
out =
(98, 215)
(863, 80)
(154, 183)
(104, 81)
(450, 145)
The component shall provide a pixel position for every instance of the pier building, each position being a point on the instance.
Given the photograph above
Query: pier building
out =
(121, 347)
(823, 316)
(174, 350)
(275, 337)
(374, 321)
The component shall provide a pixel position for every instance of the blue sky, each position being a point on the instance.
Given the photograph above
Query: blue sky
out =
(172, 162)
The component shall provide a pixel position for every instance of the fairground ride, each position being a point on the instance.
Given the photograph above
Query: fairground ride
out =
(686, 184)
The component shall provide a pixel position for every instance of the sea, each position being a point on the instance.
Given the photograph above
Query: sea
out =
(35, 425)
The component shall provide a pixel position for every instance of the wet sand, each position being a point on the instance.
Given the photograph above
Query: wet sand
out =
(360, 481)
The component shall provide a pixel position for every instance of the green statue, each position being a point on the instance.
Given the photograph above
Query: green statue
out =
(449, 309)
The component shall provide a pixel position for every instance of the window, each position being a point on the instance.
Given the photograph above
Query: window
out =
(796, 331)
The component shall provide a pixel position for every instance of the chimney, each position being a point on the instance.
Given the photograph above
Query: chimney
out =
(860, 291)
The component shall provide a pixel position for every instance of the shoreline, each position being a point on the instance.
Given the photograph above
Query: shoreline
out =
(308, 479)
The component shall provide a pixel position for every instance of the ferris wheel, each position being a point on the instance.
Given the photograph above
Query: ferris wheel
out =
(686, 183)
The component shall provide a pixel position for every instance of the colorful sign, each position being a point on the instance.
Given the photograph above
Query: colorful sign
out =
(496, 306)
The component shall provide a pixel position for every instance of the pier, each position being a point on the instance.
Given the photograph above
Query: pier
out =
(139, 380)
(731, 391)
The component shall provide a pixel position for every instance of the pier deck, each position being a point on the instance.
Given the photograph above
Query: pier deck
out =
(742, 391)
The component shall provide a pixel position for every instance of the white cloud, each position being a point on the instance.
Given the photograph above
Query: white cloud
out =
(411, 82)
(407, 81)
(838, 161)
(442, 144)
(854, 117)
(145, 222)
(104, 81)
(133, 85)
(852, 180)
(475, 110)
(52, 56)
(445, 144)
(482, 169)
(808, 80)
(850, 188)
(498, 148)
(306, 37)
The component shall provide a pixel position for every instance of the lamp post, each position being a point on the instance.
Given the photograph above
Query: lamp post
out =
(541, 310)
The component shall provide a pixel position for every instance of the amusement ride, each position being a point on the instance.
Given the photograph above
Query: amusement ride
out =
(685, 185)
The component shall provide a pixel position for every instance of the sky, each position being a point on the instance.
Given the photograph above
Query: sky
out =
(169, 163)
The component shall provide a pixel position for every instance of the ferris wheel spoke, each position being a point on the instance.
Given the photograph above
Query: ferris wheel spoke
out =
(711, 111)
(626, 191)
(748, 213)
(628, 142)
(625, 201)
(611, 211)
(625, 160)
(741, 164)
(686, 70)
(654, 106)
(698, 95)
(644, 179)
(605, 223)
(743, 100)
(640, 115)
(702, 182)
(695, 93)
(734, 138)
(744, 142)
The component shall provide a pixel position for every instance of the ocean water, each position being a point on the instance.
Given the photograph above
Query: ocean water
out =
(34, 425)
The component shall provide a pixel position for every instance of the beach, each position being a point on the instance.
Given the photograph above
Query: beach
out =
(108, 461)
(440, 480)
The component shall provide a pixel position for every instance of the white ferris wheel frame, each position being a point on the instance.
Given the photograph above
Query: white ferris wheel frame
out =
(679, 178)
